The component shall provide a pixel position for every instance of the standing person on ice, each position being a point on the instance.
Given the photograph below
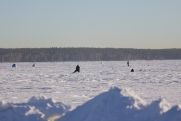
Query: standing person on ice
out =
(128, 63)
(77, 69)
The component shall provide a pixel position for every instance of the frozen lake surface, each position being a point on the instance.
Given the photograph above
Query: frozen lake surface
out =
(151, 81)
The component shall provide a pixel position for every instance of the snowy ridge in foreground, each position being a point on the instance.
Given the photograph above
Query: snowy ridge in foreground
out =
(122, 105)
(113, 105)
(36, 109)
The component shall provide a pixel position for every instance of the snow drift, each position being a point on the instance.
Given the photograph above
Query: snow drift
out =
(113, 105)
(123, 105)
(36, 109)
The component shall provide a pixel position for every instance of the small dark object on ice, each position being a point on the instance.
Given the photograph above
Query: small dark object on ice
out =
(77, 69)
(33, 65)
(132, 70)
(14, 65)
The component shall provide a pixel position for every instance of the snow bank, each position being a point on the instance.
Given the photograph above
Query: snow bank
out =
(36, 109)
(122, 105)
(113, 105)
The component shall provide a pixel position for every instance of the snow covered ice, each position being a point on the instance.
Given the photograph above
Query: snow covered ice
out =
(102, 91)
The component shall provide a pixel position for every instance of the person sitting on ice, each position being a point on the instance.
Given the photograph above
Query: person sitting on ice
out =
(132, 70)
(77, 69)
(33, 65)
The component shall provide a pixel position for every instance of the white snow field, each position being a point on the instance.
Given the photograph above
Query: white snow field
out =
(102, 91)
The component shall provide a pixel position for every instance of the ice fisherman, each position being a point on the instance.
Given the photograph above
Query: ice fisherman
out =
(128, 63)
(77, 69)
(33, 65)
(132, 70)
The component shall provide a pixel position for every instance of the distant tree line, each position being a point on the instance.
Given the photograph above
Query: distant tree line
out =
(85, 54)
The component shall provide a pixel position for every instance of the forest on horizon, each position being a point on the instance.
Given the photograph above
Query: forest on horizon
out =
(85, 54)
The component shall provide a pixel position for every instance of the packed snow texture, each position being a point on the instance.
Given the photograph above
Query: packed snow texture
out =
(102, 91)
(121, 105)
(36, 109)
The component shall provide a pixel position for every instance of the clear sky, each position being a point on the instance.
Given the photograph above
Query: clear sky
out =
(153, 24)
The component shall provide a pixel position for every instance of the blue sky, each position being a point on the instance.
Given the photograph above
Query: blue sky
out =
(154, 24)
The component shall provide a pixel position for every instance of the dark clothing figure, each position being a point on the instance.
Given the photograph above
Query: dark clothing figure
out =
(33, 65)
(77, 69)
(128, 63)
(132, 70)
